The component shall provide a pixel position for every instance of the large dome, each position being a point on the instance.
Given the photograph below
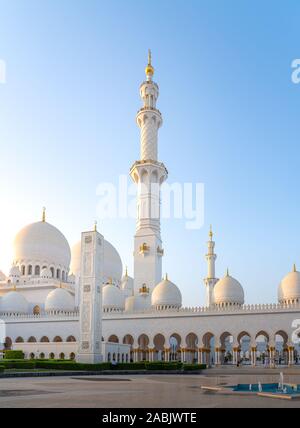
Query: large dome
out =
(112, 262)
(166, 294)
(228, 291)
(42, 244)
(14, 302)
(289, 288)
(112, 298)
(60, 300)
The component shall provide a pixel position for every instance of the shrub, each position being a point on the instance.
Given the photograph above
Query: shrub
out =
(2, 368)
(130, 366)
(163, 365)
(192, 367)
(10, 364)
(13, 355)
(71, 365)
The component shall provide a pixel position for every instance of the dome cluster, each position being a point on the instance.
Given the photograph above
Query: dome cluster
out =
(58, 300)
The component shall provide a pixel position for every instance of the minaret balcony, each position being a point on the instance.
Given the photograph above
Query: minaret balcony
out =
(144, 289)
(160, 251)
(144, 249)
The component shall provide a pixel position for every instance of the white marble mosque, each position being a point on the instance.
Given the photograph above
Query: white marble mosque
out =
(78, 303)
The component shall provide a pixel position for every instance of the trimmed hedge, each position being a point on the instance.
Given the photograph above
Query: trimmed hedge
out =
(129, 366)
(20, 364)
(71, 365)
(161, 365)
(13, 355)
(192, 367)
(2, 368)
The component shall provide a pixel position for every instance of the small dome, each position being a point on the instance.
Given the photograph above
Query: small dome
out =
(112, 298)
(14, 302)
(166, 294)
(289, 288)
(14, 272)
(42, 243)
(138, 303)
(127, 285)
(46, 274)
(228, 291)
(113, 267)
(60, 300)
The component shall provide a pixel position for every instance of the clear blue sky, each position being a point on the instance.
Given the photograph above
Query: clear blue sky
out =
(231, 121)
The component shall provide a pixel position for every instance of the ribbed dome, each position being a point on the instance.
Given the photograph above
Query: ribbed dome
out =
(138, 303)
(289, 288)
(42, 243)
(112, 262)
(14, 302)
(166, 294)
(60, 300)
(112, 298)
(228, 291)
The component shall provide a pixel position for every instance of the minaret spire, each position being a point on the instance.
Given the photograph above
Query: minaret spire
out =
(149, 68)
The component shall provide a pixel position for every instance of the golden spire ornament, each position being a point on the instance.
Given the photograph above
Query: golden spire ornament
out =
(44, 215)
(210, 233)
(149, 69)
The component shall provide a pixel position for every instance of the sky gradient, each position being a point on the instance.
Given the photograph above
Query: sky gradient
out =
(231, 121)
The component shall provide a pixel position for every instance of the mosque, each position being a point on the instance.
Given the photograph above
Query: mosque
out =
(78, 304)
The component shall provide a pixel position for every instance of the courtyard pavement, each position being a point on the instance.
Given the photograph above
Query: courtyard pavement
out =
(141, 391)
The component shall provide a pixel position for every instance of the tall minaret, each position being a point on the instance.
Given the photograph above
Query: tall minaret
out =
(211, 279)
(148, 174)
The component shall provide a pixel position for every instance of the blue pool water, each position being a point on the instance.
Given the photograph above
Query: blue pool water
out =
(267, 387)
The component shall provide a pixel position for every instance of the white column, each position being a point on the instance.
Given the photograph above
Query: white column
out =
(90, 342)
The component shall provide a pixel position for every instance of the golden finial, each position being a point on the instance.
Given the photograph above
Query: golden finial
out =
(295, 269)
(167, 277)
(126, 272)
(95, 226)
(149, 69)
(210, 233)
(44, 215)
(227, 272)
(110, 281)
